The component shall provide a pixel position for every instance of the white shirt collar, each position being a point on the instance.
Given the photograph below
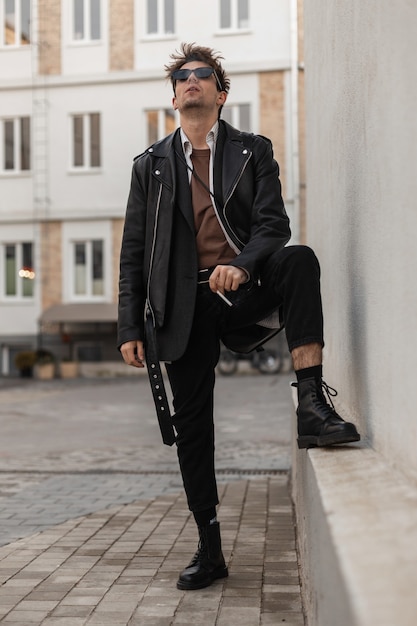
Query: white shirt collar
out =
(211, 139)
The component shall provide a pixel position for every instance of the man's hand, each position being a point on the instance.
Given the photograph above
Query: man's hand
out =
(133, 353)
(227, 278)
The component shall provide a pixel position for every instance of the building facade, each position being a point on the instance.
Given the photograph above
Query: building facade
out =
(82, 91)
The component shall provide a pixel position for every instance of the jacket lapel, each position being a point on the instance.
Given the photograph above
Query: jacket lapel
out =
(182, 192)
(173, 173)
(231, 156)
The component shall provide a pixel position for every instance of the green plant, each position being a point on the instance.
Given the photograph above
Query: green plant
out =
(67, 359)
(25, 360)
(44, 356)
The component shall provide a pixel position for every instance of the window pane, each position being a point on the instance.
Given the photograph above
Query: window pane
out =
(25, 143)
(95, 21)
(9, 158)
(244, 117)
(28, 276)
(25, 21)
(169, 121)
(98, 269)
(169, 16)
(27, 256)
(225, 14)
(80, 273)
(11, 270)
(78, 138)
(243, 14)
(95, 160)
(152, 16)
(152, 118)
(9, 22)
(79, 19)
(227, 114)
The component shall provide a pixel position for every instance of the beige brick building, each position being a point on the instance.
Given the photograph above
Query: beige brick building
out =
(87, 79)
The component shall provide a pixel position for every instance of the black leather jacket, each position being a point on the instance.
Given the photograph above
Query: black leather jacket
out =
(158, 264)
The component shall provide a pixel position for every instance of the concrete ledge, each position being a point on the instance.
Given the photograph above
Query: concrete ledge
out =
(357, 534)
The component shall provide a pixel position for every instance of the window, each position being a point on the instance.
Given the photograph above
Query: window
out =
(15, 144)
(18, 272)
(161, 20)
(238, 115)
(86, 144)
(160, 122)
(15, 22)
(88, 263)
(86, 20)
(234, 14)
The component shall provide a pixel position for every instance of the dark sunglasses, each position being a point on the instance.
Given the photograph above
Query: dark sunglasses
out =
(199, 72)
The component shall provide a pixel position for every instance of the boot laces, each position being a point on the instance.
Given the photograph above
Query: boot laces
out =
(330, 392)
(201, 550)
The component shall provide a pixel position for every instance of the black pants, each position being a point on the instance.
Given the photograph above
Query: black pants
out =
(290, 280)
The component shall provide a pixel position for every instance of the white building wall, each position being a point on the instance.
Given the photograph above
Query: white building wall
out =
(361, 209)
(15, 63)
(266, 42)
(356, 504)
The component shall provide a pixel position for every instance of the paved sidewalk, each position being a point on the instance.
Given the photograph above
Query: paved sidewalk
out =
(96, 534)
(119, 566)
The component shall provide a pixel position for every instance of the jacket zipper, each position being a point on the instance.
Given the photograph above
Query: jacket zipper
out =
(228, 198)
(148, 287)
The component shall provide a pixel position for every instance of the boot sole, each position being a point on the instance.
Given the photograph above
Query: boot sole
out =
(188, 586)
(310, 441)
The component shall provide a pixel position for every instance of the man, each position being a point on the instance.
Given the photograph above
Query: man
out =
(204, 258)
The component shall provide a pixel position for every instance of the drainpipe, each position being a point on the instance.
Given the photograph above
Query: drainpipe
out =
(295, 146)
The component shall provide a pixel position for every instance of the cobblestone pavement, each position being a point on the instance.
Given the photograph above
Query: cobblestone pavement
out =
(94, 527)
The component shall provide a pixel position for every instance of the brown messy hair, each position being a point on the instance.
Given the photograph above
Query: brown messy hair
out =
(192, 52)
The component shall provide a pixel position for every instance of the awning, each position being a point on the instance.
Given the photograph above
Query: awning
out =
(80, 312)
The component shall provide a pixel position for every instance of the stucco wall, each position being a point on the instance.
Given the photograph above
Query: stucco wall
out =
(361, 103)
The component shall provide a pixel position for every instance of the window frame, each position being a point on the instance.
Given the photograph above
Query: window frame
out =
(235, 111)
(89, 271)
(21, 152)
(161, 17)
(18, 20)
(19, 295)
(87, 145)
(234, 19)
(87, 38)
(162, 129)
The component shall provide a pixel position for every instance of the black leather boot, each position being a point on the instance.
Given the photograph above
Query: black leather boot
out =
(208, 562)
(318, 423)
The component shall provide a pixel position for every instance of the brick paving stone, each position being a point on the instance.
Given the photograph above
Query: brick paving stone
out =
(64, 621)
(244, 616)
(198, 617)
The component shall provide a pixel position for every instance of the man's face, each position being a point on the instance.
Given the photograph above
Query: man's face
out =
(194, 92)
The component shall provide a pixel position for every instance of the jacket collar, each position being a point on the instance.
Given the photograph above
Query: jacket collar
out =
(225, 132)
(163, 147)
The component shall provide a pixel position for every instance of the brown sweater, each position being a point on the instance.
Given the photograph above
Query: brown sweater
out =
(212, 246)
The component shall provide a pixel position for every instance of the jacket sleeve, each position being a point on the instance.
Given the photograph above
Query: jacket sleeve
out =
(269, 229)
(132, 288)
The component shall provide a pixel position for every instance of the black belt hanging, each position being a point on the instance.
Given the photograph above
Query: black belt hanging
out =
(157, 385)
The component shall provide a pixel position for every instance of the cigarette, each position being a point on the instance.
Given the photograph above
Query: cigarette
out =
(223, 297)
